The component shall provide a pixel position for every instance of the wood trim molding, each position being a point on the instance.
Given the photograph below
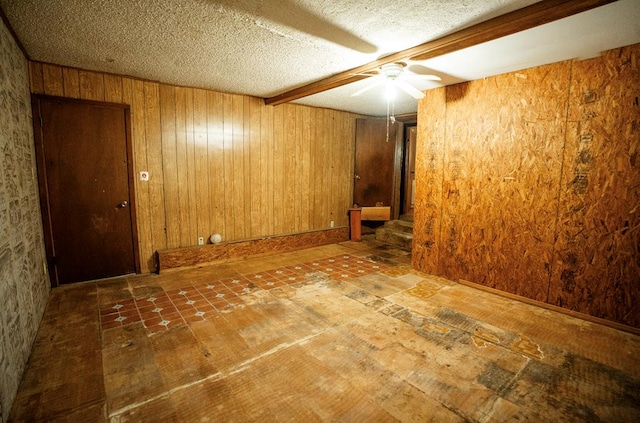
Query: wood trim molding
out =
(236, 250)
(519, 20)
(547, 306)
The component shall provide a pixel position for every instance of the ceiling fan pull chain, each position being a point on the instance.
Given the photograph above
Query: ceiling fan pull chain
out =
(388, 118)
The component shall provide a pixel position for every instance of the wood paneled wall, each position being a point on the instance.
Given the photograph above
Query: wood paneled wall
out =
(221, 163)
(529, 182)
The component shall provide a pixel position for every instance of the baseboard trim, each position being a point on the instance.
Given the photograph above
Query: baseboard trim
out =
(216, 253)
(565, 311)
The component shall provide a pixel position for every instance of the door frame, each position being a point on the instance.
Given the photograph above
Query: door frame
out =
(410, 120)
(396, 181)
(410, 145)
(42, 177)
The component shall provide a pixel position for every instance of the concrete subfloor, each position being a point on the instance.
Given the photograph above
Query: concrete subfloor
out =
(346, 333)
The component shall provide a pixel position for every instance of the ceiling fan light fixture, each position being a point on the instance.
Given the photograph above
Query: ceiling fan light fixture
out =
(392, 70)
(390, 90)
(391, 75)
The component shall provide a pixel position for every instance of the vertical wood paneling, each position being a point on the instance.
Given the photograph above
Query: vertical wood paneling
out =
(256, 181)
(237, 168)
(320, 173)
(113, 88)
(341, 164)
(227, 107)
(267, 184)
(246, 163)
(327, 170)
(288, 168)
(91, 86)
(53, 83)
(324, 176)
(279, 187)
(317, 157)
(305, 175)
(71, 82)
(182, 170)
(340, 207)
(346, 170)
(133, 94)
(153, 133)
(347, 141)
(215, 151)
(330, 170)
(314, 160)
(170, 165)
(36, 80)
(200, 161)
(342, 173)
(299, 170)
(191, 168)
(221, 162)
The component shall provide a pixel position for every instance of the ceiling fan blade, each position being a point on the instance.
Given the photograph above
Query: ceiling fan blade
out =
(409, 89)
(367, 88)
(423, 77)
(420, 71)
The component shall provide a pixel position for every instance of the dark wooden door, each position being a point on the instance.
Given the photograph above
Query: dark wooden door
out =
(378, 162)
(84, 184)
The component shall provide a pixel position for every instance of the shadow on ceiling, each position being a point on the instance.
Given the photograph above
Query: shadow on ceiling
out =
(295, 16)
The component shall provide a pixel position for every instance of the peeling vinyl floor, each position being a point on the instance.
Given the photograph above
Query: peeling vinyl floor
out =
(340, 333)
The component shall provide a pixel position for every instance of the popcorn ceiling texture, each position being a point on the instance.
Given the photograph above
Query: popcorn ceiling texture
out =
(24, 288)
(262, 48)
(256, 48)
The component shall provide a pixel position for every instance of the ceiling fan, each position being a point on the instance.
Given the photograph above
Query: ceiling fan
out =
(394, 75)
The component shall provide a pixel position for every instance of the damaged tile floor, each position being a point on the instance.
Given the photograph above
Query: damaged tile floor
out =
(339, 333)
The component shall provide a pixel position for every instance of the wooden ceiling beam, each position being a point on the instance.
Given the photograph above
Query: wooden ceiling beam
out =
(519, 20)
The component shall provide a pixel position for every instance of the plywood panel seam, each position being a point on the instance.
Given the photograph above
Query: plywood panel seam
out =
(562, 176)
(438, 237)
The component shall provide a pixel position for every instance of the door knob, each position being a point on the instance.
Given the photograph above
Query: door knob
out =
(123, 204)
(357, 177)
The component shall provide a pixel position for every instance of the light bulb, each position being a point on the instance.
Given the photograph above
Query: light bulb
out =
(390, 91)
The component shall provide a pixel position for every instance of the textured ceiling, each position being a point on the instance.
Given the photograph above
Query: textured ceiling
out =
(263, 48)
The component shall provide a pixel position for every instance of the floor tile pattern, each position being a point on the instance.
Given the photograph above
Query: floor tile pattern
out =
(345, 332)
(119, 314)
(160, 312)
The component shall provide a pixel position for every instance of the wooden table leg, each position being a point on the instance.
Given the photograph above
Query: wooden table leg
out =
(355, 224)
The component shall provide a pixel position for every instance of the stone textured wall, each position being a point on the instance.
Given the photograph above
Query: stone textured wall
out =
(24, 286)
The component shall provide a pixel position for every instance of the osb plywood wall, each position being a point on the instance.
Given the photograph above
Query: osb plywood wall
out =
(529, 182)
(221, 163)
(24, 287)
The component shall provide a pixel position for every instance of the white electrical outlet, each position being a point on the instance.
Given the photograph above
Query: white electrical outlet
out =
(200, 240)
(332, 224)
